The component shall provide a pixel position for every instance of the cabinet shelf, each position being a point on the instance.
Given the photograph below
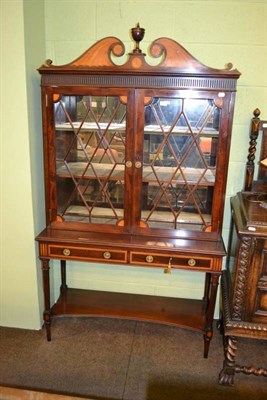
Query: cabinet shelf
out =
(186, 313)
(165, 217)
(82, 170)
(148, 129)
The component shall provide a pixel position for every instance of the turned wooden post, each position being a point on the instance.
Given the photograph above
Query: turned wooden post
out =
(250, 166)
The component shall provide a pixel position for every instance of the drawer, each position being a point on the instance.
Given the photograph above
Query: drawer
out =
(177, 261)
(87, 253)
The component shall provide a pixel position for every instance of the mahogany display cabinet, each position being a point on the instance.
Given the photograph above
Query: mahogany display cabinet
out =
(135, 160)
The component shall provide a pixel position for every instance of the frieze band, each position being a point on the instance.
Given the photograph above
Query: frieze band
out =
(140, 81)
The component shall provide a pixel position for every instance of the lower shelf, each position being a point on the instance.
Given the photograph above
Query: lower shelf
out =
(186, 313)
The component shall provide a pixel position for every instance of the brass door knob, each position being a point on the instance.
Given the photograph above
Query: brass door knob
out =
(128, 164)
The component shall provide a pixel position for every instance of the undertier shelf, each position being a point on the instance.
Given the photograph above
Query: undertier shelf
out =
(186, 313)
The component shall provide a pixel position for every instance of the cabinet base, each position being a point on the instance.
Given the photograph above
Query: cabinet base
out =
(173, 311)
(185, 313)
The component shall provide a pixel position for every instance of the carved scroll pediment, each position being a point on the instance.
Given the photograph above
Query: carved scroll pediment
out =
(177, 57)
(174, 58)
(99, 55)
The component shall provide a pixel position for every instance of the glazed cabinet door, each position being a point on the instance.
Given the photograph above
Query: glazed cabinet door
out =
(136, 160)
(89, 135)
(181, 154)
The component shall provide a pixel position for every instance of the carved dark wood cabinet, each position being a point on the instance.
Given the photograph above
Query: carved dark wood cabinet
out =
(244, 282)
(136, 161)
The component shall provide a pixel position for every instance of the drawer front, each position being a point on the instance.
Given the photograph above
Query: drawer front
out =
(87, 254)
(176, 261)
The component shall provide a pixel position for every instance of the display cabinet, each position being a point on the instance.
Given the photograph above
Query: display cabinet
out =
(244, 282)
(136, 161)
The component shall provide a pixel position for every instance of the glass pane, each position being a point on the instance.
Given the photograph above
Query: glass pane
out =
(180, 148)
(90, 156)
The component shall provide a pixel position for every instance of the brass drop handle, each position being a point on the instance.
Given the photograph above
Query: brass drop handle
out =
(191, 262)
(149, 259)
(168, 269)
(66, 252)
(107, 255)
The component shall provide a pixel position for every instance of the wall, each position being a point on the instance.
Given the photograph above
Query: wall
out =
(215, 32)
(21, 199)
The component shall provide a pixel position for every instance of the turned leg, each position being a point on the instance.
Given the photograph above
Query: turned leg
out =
(214, 280)
(227, 374)
(46, 288)
(207, 289)
(63, 286)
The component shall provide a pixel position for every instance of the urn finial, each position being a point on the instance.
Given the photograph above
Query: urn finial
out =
(138, 34)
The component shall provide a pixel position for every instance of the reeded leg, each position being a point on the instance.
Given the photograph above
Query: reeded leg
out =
(214, 280)
(46, 288)
(227, 374)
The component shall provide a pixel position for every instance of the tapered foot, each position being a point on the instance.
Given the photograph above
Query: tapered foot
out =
(207, 339)
(47, 322)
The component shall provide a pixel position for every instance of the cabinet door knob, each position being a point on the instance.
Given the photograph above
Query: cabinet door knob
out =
(149, 259)
(191, 262)
(138, 164)
(107, 255)
(66, 252)
(128, 164)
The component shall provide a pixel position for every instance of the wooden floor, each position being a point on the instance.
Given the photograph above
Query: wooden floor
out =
(8, 393)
